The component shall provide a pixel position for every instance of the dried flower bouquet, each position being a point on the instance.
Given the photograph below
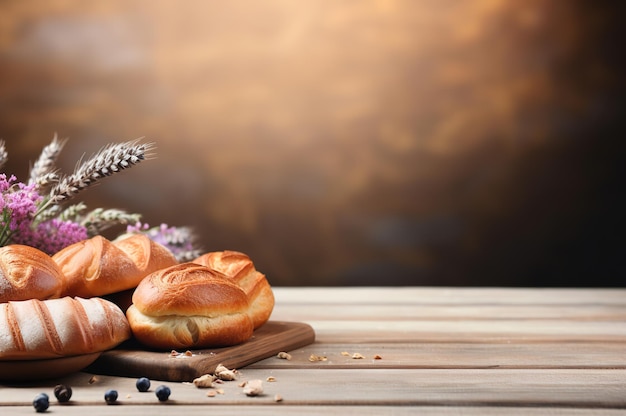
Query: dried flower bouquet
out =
(38, 213)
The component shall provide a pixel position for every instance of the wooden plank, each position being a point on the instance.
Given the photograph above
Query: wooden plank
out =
(445, 351)
(133, 360)
(448, 296)
(285, 409)
(370, 387)
(403, 312)
(360, 332)
(460, 356)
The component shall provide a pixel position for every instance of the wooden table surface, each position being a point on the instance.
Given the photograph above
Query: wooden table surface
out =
(474, 351)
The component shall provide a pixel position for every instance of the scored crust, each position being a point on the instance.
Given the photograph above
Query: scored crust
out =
(97, 266)
(189, 289)
(238, 267)
(36, 329)
(189, 306)
(28, 273)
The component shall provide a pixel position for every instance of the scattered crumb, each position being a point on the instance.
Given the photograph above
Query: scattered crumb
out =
(278, 398)
(219, 391)
(314, 357)
(227, 375)
(283, 355)
(271, 379)
(93, 379)
(205, 380)
(242, 384)
(378, 357)
(224, 373)
(253, 388)
(357, 356)
(211, 393)
(128, 396)
(345, 353)
(176, 354)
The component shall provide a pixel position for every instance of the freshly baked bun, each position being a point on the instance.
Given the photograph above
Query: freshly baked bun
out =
(97, 266)
(28, 273)
(36, 329)
(239, 268)
(189, 306)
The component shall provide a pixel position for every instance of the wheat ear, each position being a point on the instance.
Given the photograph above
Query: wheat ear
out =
(109, 160)
(101, 219)
(43, 172)
(4, 156)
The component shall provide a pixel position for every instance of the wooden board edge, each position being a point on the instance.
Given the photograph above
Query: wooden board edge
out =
(267, 341)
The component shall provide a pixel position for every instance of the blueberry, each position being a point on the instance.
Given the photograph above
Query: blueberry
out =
(163, 393)
(44, 395)
(41, 402)
(62, 392)
(110, 396)
(143, 384)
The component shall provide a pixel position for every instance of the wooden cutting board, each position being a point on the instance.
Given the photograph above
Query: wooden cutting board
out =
(132, 359)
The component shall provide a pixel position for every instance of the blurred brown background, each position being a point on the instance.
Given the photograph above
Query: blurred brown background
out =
(390, 142)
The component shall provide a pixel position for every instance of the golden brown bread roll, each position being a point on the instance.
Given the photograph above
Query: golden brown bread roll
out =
(239, 268)
(36, 329)
(28, 273)
(189, 306)
(98, 267)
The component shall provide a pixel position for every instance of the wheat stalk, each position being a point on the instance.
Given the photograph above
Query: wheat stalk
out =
(43, 172)
(109, 160)
(48, 213)
(100, 219)
(73, 212)
(4, 156)
(46, 179)
(70, 213)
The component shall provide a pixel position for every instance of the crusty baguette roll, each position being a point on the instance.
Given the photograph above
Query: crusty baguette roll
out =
(97, 266)
(28, 273)
(239, 268)
(54, 328)
(189, 306)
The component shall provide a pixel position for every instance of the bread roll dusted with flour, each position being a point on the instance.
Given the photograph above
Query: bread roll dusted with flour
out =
(28, 273)
(98, 267)
(239, 268)
(189, 306)
(54, 328)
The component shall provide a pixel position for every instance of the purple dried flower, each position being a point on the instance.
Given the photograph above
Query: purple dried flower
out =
(5, 183)
(18, 205)
(136, 228)
(179, 240)
(51, 236)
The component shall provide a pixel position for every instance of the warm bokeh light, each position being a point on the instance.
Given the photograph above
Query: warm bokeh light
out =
(337, 142)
